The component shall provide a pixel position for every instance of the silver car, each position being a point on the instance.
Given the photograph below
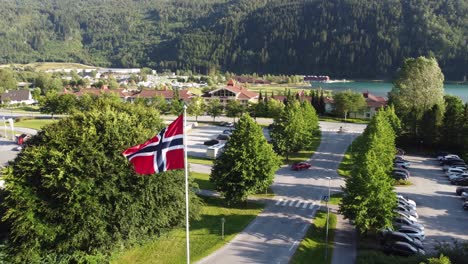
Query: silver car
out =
(412, 232)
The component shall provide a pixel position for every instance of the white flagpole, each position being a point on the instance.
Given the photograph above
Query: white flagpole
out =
(186, 187)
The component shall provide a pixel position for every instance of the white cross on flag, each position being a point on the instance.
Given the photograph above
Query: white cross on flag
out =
(163, 152)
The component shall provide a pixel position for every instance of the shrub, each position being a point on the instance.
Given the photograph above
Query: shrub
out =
(72, 197)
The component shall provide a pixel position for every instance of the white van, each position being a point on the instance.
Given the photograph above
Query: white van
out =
(214, 151)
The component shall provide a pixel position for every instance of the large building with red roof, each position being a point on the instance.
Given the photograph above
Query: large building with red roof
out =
(232, 92)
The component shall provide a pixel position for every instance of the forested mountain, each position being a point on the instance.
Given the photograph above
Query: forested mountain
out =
(341, 38)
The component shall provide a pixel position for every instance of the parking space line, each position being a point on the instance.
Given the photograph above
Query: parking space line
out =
(279, 201)
(298, 204)
(291, 203)
(305, 205)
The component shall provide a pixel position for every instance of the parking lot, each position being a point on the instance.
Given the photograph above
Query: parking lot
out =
(439, 208)
(199, 134)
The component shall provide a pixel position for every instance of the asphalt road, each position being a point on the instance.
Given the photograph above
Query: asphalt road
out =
(274, 235)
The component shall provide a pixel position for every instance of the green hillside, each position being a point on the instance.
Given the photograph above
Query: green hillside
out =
(341, 38)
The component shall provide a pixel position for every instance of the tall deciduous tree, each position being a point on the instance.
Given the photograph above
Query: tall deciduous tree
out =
(453, 123)
(349, 102)
(80, 198)
(196, 107)
(248, 163)
(234, 109)
(369, 198)
(214, 108)
(418, 87)
(7, 80)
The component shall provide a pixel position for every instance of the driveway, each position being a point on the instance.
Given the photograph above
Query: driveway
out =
(274, 235)
(438, 207)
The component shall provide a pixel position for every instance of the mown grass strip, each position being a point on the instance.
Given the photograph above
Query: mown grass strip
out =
(198, 160)
(35, 123)
(312, 248)
(203, 180)
(205, 235)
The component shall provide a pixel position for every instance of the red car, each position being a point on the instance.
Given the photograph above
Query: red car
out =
(301, 166)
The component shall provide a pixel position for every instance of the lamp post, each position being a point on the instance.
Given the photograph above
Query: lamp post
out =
(328, 215)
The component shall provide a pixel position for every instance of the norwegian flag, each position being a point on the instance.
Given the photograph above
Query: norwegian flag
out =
(161, 153)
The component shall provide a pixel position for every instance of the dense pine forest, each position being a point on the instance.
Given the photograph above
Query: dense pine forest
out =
(340, 38)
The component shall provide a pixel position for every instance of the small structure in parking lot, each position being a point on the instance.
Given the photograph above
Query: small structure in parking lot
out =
(214, 151)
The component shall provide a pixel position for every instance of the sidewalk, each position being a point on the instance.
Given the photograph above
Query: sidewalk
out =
(344, 245)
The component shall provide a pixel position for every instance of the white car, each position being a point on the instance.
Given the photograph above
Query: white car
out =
(405, 215)
(447, 167)
(455, 176)
(455, 171)
(401, 197)
(448, 156)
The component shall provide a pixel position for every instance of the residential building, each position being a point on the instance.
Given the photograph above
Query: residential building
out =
(17, 97)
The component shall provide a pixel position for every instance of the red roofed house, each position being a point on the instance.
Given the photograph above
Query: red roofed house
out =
(374, 103)
(184, 95)
(232, 92)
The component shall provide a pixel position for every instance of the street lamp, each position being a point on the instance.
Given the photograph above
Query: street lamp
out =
(328, 215)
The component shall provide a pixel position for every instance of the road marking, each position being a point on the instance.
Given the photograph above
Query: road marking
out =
(304, 228)
(291, 203)
(312, 205)
(305, 205)
(279, 201)
(284, 203)
(293, 245)
(298, 204)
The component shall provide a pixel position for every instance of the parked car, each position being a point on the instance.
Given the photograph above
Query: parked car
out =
(452, 162)
(400, 158)
(408, 205)
(222, 137)
(465, 205)
(455, 166)
(211, 142)
(412, 232)
(403, 170)
(448, 156)
(440, 154)
(228, 131)
(407, 210)
(229, 124)
(460, 190)
(402, 249)
(300, 166)
(460, 181)
(455, 170)
(402, 164)
(406, 215)
(390, 237)
(464, 196)
(457, 176)
(402, 221)
(398, 175)
(406, 199)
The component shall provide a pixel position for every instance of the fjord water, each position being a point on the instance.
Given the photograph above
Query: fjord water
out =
(382, 88)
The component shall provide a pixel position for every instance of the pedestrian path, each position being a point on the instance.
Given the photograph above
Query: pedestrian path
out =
(300, 204)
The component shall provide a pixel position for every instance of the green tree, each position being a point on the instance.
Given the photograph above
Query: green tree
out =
(214, 108)
(453, 123)
(53, 103)
(431, 121)
(159, 103)
(177, 106)
(440, 260)
(196, 107)
(7, 80)
(370, 199)
(234, 109)
(418, 87)
(80, 199)
(288, 133)
(311, 125)
(349, 102)
(247, 165)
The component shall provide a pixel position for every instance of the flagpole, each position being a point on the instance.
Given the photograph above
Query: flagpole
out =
(186, 187)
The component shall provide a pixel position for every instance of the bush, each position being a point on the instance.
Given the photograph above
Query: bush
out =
(72, 196)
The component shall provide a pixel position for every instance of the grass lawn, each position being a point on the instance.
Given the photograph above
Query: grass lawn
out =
(346, 165)
(334, 199)
(205, 235)
(278, 89)
(203, 180)
(35, 123)
(312, 248)
(303, 155)
(348, 120)
(24, 109)
(198, 160)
